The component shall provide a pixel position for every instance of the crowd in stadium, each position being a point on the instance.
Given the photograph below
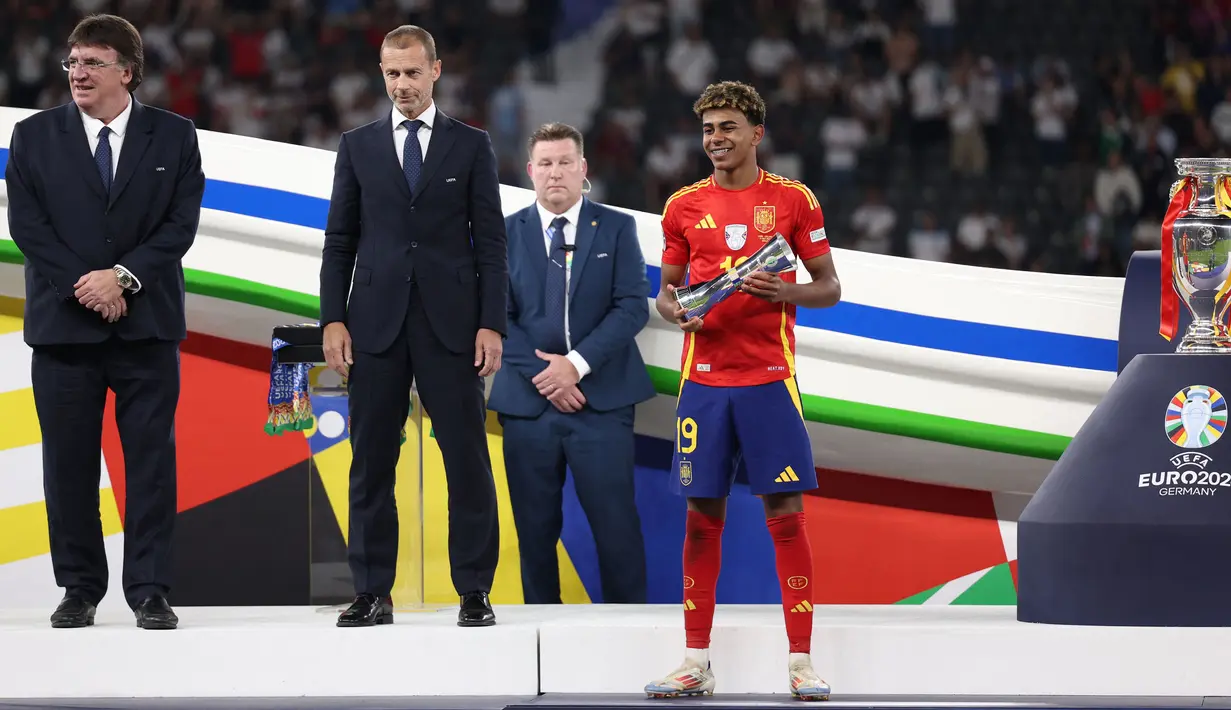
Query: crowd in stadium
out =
(993, 132)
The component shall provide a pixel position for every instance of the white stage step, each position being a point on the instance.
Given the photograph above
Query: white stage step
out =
(266, 652)
(888, 650)
(607, 650)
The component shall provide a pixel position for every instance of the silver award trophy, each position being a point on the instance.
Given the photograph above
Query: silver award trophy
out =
(1200, 269)
(698, 299)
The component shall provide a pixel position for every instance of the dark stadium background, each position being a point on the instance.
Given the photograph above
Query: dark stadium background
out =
(1027, 134)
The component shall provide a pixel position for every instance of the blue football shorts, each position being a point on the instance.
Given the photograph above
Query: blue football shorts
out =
(760, 427)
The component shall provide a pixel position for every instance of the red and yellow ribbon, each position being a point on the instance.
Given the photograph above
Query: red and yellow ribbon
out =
(1169, 301)
(1222, 194)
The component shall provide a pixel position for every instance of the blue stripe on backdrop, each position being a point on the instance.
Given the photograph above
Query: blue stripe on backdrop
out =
(662, 514)
(1008, 343)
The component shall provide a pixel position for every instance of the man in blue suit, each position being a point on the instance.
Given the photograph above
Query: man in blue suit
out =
(577, 299)
(104, 201)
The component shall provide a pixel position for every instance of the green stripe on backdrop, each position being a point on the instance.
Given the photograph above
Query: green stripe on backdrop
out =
(822, 410)
(994, 588)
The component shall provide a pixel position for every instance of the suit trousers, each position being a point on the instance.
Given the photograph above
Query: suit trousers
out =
(599, 449)
(379, 398)
(70, 395)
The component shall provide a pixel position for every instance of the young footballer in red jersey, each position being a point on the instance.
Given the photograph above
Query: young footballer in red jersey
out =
(739, 402)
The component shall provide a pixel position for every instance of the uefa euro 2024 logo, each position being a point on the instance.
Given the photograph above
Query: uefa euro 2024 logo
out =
(1196, 418)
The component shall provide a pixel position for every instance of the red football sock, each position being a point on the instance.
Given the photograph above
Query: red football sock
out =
(793, 554)
(702, 559)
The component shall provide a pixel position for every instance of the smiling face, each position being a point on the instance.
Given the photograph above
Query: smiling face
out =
(728, 138)
(409, 77)
(98, 80)
(557, 170)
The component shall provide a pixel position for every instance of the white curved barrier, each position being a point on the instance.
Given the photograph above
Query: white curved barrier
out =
(927, 371)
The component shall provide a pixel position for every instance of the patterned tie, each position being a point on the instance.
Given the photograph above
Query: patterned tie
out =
(555, 288)
(102, 158)
(412, 154)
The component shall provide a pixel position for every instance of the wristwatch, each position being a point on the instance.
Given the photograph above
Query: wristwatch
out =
(125, 278)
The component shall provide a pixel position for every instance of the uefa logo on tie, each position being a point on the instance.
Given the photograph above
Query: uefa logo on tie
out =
(1196, 417)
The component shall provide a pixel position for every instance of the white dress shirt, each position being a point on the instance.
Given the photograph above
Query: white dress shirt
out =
(119, 127)
(425, 131)
(572, 214)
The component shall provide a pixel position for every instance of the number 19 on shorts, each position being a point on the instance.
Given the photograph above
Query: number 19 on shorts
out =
(685, 435)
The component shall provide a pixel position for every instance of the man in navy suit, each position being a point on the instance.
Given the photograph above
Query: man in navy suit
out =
(104, 199)
(577, 299)
(415, 236)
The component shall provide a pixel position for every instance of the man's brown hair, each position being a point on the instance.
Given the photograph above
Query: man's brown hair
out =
(408, 35)
(733, 95)
(116, 33)
(556, 132)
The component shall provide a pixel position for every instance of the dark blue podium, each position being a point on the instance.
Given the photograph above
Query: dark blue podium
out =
(1139, 306)
(1132, 527)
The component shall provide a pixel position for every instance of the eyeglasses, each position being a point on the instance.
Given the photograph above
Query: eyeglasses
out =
(90, 65)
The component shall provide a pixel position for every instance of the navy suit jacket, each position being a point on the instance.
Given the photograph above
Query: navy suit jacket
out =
(66, 226)
(608, 306)
(449, 238)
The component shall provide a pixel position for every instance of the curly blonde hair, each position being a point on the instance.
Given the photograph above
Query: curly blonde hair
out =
(733, 95)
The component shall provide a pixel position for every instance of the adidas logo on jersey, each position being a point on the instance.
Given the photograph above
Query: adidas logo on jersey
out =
(787, 476)
(707, 222)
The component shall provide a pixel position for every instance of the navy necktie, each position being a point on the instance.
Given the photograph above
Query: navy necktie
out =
(555, 289)
(412, 154)
(102, 157)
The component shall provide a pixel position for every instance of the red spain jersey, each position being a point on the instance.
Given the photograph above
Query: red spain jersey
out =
(745, 340)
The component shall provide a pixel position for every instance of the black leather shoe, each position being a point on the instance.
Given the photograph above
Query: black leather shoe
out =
(367, 610)
(476, 610)
(73, 613)
(155, 613)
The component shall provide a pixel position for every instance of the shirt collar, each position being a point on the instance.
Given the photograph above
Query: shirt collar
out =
(572, 214)
(118, 126)
(428, 116)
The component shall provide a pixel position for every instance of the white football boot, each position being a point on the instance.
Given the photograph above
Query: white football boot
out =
(689, 679)
(805, 683)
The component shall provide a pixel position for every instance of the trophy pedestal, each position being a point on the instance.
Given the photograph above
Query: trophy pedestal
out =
(1132, 527)
(331, 586)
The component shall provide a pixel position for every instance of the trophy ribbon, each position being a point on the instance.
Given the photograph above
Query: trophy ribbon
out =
(290, 406)
(1169, 301)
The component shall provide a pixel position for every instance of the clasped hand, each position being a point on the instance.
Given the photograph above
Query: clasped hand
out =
(558, 383)
(101, 292)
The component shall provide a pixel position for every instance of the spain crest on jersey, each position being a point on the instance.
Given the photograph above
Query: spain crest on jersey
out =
(685, 473)
(763, 218)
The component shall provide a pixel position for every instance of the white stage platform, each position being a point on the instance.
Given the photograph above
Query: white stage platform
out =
(889, 650)
(266, 652)
(906, 651)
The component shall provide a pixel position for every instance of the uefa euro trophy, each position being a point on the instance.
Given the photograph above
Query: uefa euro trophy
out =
(1201, 239)
(698, 299)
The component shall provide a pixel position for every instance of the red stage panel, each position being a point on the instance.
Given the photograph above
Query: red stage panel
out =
(222, 444)
(877, 540)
